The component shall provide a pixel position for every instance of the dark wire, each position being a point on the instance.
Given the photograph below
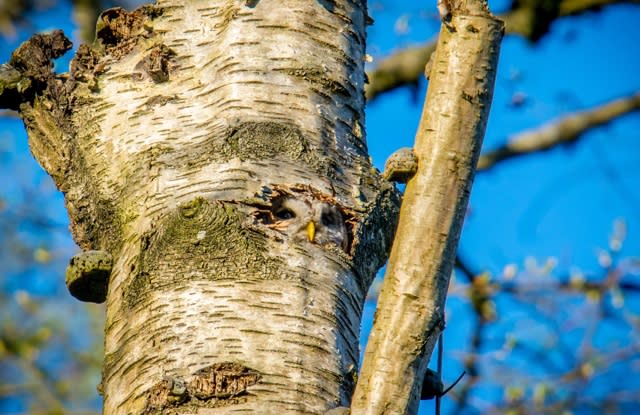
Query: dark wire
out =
(440, 347)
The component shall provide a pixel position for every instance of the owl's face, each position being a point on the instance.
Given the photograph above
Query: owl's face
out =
(316, 221)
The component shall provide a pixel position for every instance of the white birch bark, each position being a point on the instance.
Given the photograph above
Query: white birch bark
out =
(173, 138)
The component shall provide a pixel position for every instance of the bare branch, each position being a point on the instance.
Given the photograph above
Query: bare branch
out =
(527, 19)
(532, 19)
(562, 131)
(410, 314)
(405, 67)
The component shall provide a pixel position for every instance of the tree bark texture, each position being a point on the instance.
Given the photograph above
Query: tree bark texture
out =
(195, 141)
(410, 314)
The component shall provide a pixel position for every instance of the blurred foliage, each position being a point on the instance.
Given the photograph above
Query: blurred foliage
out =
(12, 14)
(49, 361)
(50, 345)
(554, 343)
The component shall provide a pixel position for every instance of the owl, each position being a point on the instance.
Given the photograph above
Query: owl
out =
(316, 221)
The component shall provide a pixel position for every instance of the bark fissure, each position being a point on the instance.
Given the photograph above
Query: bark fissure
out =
(220, 384)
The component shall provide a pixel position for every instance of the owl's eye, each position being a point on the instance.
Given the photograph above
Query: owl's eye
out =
(285, 214)
(329, 218)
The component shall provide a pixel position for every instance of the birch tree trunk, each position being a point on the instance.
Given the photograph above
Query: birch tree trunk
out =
(201, 144)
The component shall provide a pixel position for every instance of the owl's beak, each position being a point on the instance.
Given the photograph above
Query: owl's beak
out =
(311, 231)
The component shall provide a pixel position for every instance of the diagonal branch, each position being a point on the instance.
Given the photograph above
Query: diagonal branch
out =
(528, 19)
(563, 131)
(410, 314)
(404, 67)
